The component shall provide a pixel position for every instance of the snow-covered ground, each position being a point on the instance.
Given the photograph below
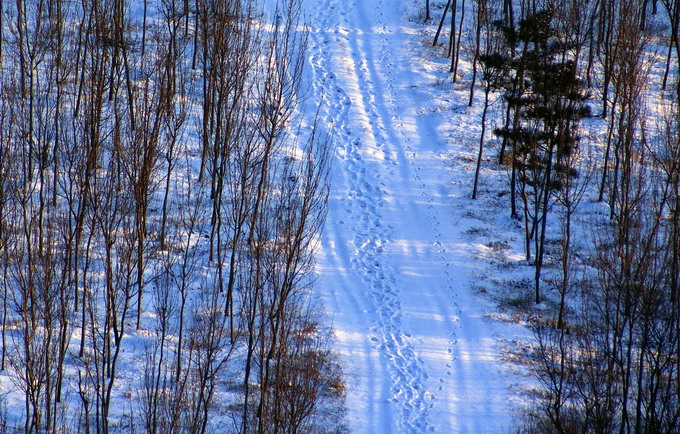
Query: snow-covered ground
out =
(402, 244)
(410, 267)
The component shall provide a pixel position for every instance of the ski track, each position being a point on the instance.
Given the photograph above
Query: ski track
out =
(429, 365)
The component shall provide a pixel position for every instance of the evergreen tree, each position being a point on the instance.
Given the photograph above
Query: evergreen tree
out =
(547, 98)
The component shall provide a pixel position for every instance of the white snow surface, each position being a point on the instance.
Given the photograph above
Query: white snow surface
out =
(397, 262)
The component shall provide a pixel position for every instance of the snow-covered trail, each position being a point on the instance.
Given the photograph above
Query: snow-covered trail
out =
(395, 266)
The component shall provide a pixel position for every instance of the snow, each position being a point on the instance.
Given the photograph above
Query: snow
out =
(405, 251)
(397, 262)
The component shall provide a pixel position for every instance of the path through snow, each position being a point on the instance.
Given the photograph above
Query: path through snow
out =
(396, 265)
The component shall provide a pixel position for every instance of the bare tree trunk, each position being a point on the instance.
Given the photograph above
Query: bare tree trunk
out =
(452, 36)
(441, 23)
(481, 140)
(460, 33)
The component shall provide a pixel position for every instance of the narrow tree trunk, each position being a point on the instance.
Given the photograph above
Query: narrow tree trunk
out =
(481, 141)
(460, 33)
(144, 30)
(452, 36)
(668, 64)
(544, 219)
(478, 37)
(441, 23)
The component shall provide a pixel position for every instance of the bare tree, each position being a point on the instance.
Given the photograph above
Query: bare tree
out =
(493, 68)
(101, 203)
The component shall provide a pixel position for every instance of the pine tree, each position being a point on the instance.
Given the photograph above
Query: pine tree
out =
(547, 98)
